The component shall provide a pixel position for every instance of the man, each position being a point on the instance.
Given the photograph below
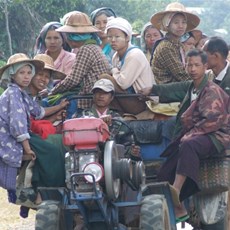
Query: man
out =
(202, 117)
(103, 93)
(217, 51)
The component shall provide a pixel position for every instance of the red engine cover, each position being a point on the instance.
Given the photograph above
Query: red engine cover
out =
(84, 133)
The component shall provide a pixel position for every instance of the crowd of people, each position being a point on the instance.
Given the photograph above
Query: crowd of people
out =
(175, 61)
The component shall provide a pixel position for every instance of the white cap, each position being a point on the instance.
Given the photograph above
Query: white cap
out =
(104, 84)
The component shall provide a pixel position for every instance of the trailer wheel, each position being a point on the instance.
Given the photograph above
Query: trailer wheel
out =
(154, 213)
(222, 224)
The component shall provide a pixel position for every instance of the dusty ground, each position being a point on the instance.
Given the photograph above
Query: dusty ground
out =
(9, 215)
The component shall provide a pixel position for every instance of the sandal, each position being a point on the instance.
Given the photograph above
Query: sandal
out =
(182, 218)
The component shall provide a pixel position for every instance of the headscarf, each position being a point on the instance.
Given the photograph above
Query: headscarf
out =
(40, 46)
(143, 32)
(12, 70)
(89, 38)
(168, 18)
(121, 24)
(104, 10)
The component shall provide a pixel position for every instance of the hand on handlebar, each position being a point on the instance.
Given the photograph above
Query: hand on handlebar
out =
(135, 150)
(107, 119)
(64, 103)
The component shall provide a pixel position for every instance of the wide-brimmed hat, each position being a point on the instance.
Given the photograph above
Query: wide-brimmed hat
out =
(175, 7)
(78, 22)
(104, 84)
(196, 34)
(21, 57)
(49, 64)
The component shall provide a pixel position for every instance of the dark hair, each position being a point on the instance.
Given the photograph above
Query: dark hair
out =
(40, 46)
(217, 44)
(198, 53)
(104, 10)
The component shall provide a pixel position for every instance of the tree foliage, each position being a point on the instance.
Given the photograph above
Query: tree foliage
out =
(27, 17)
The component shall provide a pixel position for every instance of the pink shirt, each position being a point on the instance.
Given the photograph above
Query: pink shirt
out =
(64, 61)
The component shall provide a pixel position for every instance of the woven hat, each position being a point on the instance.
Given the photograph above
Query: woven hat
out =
(21, 57)
(104, 84)
(49, 64)
(196, 34)
(78, 22)
(175, 7)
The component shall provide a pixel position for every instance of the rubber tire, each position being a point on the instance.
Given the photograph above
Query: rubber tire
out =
(154, 213)
(48, 216)
(223, 224)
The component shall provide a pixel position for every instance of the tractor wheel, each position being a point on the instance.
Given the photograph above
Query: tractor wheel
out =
(154, 213)
(49, 216)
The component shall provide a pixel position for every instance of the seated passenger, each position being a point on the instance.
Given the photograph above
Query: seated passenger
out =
(38, 84)
(168, 60)
(54, 44)
(191, 39)
(90, 61)
(149, 35)
(202, 127)
(103, 93)
(131, 70)
(99, 18)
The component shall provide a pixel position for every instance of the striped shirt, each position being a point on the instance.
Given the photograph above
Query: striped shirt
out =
(90, 63)
(167, 63)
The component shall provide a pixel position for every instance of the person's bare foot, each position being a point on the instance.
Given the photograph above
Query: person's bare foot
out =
(38, 199)
(180, 210)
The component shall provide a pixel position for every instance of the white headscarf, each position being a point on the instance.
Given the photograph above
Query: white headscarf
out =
(121, 24)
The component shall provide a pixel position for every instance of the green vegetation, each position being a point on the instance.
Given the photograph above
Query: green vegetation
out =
(21, 20)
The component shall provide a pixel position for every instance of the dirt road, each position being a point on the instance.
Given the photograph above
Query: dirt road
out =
(9, 215)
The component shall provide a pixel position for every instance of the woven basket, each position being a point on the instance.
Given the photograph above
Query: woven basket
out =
(214, 175)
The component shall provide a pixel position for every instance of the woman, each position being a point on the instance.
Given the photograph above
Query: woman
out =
(44, 77)
(54, 44)
(99, 18)
(168, 62)
(16, 140)
(191, 39)
(90, 62)
(201, 42)
(131, 70)
(149, 35)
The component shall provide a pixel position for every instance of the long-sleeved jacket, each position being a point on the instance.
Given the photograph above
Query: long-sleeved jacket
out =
(208, 114)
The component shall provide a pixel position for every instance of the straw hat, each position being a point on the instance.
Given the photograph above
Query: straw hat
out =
(49, 64)
(78, 22)
(175, 7)
(196, 34)
(21, 57)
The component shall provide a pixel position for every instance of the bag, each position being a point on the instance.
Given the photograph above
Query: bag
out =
(214, 175)
(25, 193)
(146, 131)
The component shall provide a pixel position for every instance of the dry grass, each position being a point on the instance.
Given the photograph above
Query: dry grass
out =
(9, 215)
